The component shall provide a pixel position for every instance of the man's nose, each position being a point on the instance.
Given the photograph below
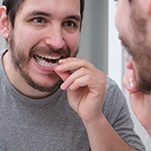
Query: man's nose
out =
(55, 38)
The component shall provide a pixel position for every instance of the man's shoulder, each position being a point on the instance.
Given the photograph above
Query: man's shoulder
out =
(111, 85)
(113, 97)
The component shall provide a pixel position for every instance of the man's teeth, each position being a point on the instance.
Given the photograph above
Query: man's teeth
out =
(48, 57)
(47, 61)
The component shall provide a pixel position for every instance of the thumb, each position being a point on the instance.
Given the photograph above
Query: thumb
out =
(63, 75)
(129, 83)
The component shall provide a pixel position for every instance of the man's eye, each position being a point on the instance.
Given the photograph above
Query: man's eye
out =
(39, 20)
(70, 24)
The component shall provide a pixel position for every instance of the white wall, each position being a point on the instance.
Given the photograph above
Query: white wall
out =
(115, 59)
(116, 69)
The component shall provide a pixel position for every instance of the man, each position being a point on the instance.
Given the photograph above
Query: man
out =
(133, 19)
(50, 100)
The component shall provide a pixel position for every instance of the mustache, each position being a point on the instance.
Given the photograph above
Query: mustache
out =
(49, 51)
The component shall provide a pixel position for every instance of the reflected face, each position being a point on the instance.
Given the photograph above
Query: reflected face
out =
(44, 32)
(132, 24)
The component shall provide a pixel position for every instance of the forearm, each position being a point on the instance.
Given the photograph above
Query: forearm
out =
(103, 137)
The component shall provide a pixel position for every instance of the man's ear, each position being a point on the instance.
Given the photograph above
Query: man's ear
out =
(149, 7)
(4, 22)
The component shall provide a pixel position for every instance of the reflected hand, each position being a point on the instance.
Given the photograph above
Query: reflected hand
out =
(140, 102)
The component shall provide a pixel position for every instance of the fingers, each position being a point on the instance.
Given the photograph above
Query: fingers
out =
(75, 80)
(85, 74)
(70, 64)
(130, 82)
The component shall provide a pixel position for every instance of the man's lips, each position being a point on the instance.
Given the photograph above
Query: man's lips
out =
(47, 60)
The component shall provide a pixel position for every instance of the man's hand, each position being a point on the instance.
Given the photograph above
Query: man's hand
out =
(140, 102)
(85, 85)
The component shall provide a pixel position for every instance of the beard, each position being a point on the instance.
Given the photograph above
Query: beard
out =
(139, 48)
(143, 65)
(20, 62)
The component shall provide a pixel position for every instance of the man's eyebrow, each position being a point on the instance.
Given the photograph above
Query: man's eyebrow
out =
(76, 17)
(36, 13)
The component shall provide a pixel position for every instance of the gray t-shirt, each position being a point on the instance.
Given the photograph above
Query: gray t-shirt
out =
(50, 124)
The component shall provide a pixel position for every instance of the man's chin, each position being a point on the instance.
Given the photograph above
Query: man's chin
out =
(44, 88)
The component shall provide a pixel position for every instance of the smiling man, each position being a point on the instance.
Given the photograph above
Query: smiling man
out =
(133, 21)
(44, 105)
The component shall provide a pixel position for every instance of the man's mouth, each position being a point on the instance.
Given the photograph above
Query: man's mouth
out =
(47, 60)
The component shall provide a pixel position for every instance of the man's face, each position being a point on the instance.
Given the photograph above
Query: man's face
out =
(44, 32)
(132, 24)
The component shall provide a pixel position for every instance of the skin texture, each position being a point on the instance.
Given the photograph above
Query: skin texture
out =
(49, 34)
(133, 25)
(52, 28)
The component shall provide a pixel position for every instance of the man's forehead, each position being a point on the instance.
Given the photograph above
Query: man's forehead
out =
(48, 6)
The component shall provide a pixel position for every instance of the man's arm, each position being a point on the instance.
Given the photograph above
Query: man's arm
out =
(86, 88)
